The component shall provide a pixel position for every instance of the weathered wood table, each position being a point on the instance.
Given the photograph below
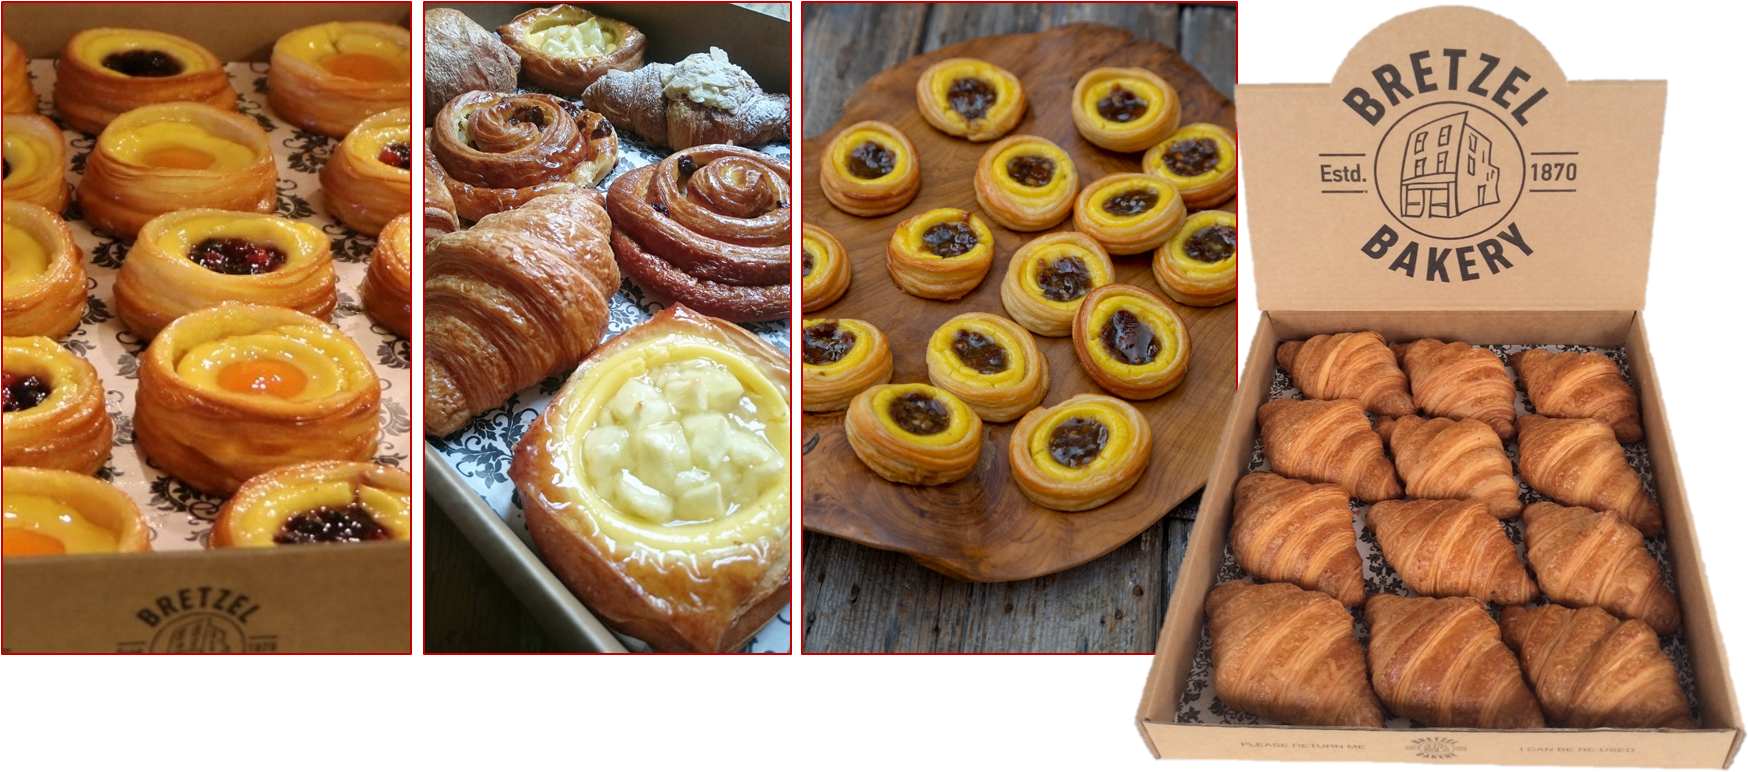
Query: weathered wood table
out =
(857, 599)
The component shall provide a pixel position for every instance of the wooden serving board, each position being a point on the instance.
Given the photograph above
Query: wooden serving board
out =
(983, 528)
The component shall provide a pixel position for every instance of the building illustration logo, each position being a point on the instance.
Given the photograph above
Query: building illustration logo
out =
(1447, 169)
(1451, 171)
(199, 619)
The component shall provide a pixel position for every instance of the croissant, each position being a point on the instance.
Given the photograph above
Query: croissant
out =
(1446, 548)
(1328, 442)
(1289, 655)
(1577, 462)
(703, 100)
(1445, 459)
(1589, 558)
(439, 205)
(500, 151)
(519, 296)
(1457, 380)
(1592, 670)
(1348, 365)
(1440, 661)
(1286, 530)
(462, 56)
(1587, 385)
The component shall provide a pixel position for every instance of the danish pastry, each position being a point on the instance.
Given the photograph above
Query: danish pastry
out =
(1048, 277)
(105, 72)
(870, 169)
(1124, 109)
(1580, 385)
(56, 417)
(825, 268)
(1578, 462)
(462, 56)
(914, 433)
(1080, 453)
(36, 162)
(1327, 442)
(1348, 365)
(320, 502)
(1129, 213)
(1199, 266)
(20, 96)
(1200, 160)
(565, 49)
(369, 180)
(1026, 183)
(970, 98)
(55, 512)
(1130, 342)
(45, 273)
(327, 78)
(499, 151)
(840, 358)
(170, 157)
(387, 291)
(1289, 655)
(1457, 381)
(990, 363)
(941, 254)
(1286, 530)
(703, 100)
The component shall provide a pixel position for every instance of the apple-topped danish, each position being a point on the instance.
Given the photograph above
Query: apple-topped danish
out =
(565, 49)
(839, 359)
(914, 433)
(1048, 277)
(105, 72)
(941, 254)
(1131, 342)
(55, 412)
(329, 77)
(990, 363)
(1081, 453)
(321, 502)
(55, 512)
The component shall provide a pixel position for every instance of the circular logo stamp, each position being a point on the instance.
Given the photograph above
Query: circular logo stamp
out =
(1449, 170)
(1435, 747)
(199, 632)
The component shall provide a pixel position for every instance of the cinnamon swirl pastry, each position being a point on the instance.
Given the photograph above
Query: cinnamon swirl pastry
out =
(499, 151)
(914, 433)
(20, 96)
(55, 512)
(839, 359)
(1047, 278)
(825, 268)
(55, 414)
(387, 291)
(45, 273)
(565, 49)
(328, 77)
(1200, 160)
(990, 363)
(1199, 266)
(1129, 213)
(1026, 183)
(870, 169)
(170, 157)
(369, 180)
(439, 205)
(36, 162)
(707, 227)
(105, 72)
(320, 502)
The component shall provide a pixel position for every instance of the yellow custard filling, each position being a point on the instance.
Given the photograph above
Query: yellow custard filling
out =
(1059, 178)
(958, 422)
(350, 51)
(941, 343)
(289, 236)
(584, 40)
(1197, 222)
(28, 155)
(1097, 214)
(259, 524)
(941, 82)
(177, 145)
(1101, 88)
(1228, 158)
(848, 144)
(1121, 437)
(859, 352)
(1032, 272)
(293, 364)
(1164, 331)
(96, 45)
(25, 257)
(822, 258)
(913, 231)
(41, 525)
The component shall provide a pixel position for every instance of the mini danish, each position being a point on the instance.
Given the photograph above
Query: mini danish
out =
(387, 291)
(55, 512)
(565, 49)
(941, 254)
(1026, 183)
(1129, 213)
(870, 169)
(1081, 453)
(840, 358)
(1125, 109)
(1199, 266)
(20, 96)
(198, 258)
(105, 72)
(45, 273)
(36, 162)
(1048, 277)
(825, 268)
(1201, 161)
(55, 412)
(369, 180)
(170, 157)
(1131, 342)
(914, 433)
(499, 151)
(990, 363)
(329, 77)
(320, 502)
(970, 98)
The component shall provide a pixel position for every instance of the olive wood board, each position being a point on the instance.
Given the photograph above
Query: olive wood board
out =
(982, 528)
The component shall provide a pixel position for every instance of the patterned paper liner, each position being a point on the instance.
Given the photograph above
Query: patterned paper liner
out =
(1199, 705)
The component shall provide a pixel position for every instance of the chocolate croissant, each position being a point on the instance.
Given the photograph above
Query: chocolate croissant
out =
(1592, 670)
(1328, 442)
(1348, 365)
(1587, 385)
(1445, 459)
(1289, 655)
(500, 151)
(1457, 380)
(1440, 661)
(1446, 548)
(703, 100)
(1577, 462)
(1590, 558)
(1286, 530)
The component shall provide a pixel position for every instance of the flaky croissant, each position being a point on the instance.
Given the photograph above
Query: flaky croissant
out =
(1592, 670)
(1577, 462)
(687, 104)
(1574, 385)
(1289, 655)
(1327, 441)
(1445, 459)
(440, 215)
(1457, 380)
(519, 296)
(1445, 548)
(1348, 365)
(1590, 558)
(1440, 661)
(1286, 530)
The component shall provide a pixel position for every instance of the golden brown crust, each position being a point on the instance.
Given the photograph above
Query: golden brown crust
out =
(440, 217)
(1330, 442)
(923, 273)
(870, 197)
(1286, 530)
(1440, 661)
(1580, 385)
(1348, 365)
(1022, 294)
(99, 502)
(732, 110)
(71, 429)
(1590, 558)
(387, 289)
(828, 386)
(1445, 459)
(1123, 234)
(266, 501)
(986, 122)
(52, 303)
(1592, 670)
(1157, 121)
(462, 56)
(1024, 206)
(1194, 282)
(1208, 189)
(1457, 380)
(1577, 462)
(310, 96)
(995, 397)
(1445, 548)
(357, 186)
(37, 154)
(825, 268)
(20, 96)
(902, 457)
(500, 151)
(1115, 468)
(89, 95)
(564, 74)
(1164, 372)
(1289, 655)
(120, 195)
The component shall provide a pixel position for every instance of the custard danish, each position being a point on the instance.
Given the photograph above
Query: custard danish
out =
(55, 412)
(370, 179)
(327, 78)
(106, 71)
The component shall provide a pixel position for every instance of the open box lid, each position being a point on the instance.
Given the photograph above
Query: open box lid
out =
(1450, 165)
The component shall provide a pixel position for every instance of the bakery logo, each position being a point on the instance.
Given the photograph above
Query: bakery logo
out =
(1453, 171)
(207, 620)
(1436, 748)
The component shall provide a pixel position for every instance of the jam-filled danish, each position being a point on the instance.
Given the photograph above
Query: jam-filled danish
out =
(329, 77)
(1201, 161)
(387, 290)
(45, 273)
(170, 157)
(870, 169)
(36, 162)
(105, 72)
(55, 412)
(1080, 453)
(1047, 278)
(320, 502)
(1026, 183)
(369, 180)
(990, 363)
(941, 254)
(825, 268)
(1131, 342)
(840, 358)
(914, 433)
(970, 98)
(1125, 109)
(1129, 213)
(1199, 266)
(55, 512)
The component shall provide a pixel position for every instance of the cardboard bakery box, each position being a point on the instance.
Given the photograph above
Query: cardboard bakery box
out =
(340, 598)
(1433, 189)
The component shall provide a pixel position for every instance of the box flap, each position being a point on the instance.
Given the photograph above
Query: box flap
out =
(1450, 165)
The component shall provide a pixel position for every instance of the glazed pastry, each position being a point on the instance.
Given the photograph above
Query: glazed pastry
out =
(20, 96)
(1457, 380)
(1577, 462)
(825, 268)
(1199, 266)
(1440, 661)
(56, 417)
(1124, 109)
(369, 180)
(1590, 558)
(1049, 276)
(329, 77)
(105, 72)
(990, 363)
(1201, 161)
(1286, 530)
(1289, 655)
(941, 254)
(440, 217)
(656, 484)
(387, 291)
(519, 296)
(840, 358)
(1445, 459)
(229, 392)
(462, 56)
(1130, 342)
(1445, 548)
(1080, 453)
(703, 100)
(170, 157)
(1129, 213)
(320, 502)
(970, 98)
(45, 273)
(55, 512)
(870, 169)
(1587, 385)
(1592, 670)
(707, 227)
(1329, 442)
(500, 151)
(565, 49)
(914, 433)
(1348, 365)
(1026, 183)
(36, 162)
(198, 258)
